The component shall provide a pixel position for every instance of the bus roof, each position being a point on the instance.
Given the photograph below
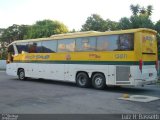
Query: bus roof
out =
(86, 34)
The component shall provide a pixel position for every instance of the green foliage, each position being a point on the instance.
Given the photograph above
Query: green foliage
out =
(14, 32)
(135, 9)
(125, 23)
(141, 21)
(149, 10)
(111, 25)
(96, 23)
(3, 52)
(73, 31)
(45, 28)
(143, 11)
(157, 26)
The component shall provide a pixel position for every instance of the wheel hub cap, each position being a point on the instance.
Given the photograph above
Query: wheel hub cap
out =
(98, 81)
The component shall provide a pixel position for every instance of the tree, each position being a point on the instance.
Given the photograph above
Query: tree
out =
(1, 31)
(135, 9)
(45, 28)
(137, 21)
(149, 10)
(96, 23)
(14, 32)
(125, 23)
(143, 11)
(111, 25)
(141, 21)
(73, 31)
(157, 28)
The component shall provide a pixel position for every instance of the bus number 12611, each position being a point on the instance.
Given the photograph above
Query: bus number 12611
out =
(120, 56)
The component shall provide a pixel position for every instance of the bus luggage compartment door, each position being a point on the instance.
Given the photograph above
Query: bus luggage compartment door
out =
(111, 75)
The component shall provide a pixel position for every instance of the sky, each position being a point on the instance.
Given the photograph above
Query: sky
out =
(73, 13)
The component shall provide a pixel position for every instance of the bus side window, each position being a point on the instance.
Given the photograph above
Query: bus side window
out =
(35, 47)
(107, 43)
(32, 47)
(126, 42)
(66, 45)
(86, 44)
(22, 48)
(49, 46)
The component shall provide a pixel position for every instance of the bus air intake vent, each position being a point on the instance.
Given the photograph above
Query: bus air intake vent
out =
(122, 73)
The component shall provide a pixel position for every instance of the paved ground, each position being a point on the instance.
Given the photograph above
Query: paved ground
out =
(45, 96)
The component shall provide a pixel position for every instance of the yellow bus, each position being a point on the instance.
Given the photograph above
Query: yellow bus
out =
(122, 58)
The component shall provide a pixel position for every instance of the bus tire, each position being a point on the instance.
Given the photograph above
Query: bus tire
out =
(21, 74)
(98, 81)
(82, 80)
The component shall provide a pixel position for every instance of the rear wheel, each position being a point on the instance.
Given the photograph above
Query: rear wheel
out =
(99, 81)
(82, 80)
(21, 74)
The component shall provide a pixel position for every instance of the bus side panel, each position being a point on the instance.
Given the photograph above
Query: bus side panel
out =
(31, 69)
(40, 70)
(147, 76)
(52, 71)
(11, 69)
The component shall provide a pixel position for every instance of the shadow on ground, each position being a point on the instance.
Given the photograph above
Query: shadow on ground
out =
(116, 89)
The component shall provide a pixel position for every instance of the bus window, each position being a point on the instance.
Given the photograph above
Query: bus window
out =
(86, 44)
(66, 45)
(49, 46)
(35, 47)
(126, 42)
(107, 43)
(121, 42)
(22, 47)
(38, 47)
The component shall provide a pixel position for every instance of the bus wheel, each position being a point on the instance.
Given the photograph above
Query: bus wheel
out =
(98, 81)
(82, 80)
(21, 74)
